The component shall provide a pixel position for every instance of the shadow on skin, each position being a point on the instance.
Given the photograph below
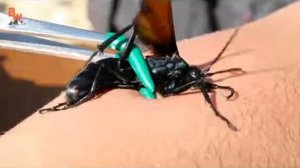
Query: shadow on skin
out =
(20, 98)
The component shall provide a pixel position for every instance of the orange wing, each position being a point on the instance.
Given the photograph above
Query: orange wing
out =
(154, 26)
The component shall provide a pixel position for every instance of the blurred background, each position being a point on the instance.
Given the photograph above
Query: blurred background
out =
(191, 17)
(28, 81)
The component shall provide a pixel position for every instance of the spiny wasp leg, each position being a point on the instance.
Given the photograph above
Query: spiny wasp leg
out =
(55, 108)
(204, 91)
(230, 89)
(226, 71)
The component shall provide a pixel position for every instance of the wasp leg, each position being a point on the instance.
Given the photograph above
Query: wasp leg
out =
(230, 89)
(204, 90)
(93, 94)
(131, 84)
(107, 42)
(125, 54)
(55, 108)
(128, 47)
(176, 90)
(113, 12)
(225, 71)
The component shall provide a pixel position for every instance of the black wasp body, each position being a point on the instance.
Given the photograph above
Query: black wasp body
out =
(171, 73)
(168, 73)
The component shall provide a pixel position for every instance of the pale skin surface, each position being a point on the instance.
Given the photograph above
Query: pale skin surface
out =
(122, 129)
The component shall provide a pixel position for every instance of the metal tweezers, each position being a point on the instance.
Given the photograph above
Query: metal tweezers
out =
(42, 37)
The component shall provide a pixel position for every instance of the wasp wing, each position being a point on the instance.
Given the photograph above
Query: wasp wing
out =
(154, 26)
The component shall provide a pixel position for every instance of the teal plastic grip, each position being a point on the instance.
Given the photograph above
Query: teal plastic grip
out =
(138, 63)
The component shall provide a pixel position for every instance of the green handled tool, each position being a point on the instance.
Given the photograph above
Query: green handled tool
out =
(138, 63)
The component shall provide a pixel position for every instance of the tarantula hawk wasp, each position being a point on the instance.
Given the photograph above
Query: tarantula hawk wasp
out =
(171, 74)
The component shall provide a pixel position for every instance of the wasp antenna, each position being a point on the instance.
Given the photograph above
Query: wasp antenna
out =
(91, 58)
(231, 70)
(225, 47)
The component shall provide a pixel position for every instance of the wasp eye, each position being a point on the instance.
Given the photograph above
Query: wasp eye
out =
(193, 74)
